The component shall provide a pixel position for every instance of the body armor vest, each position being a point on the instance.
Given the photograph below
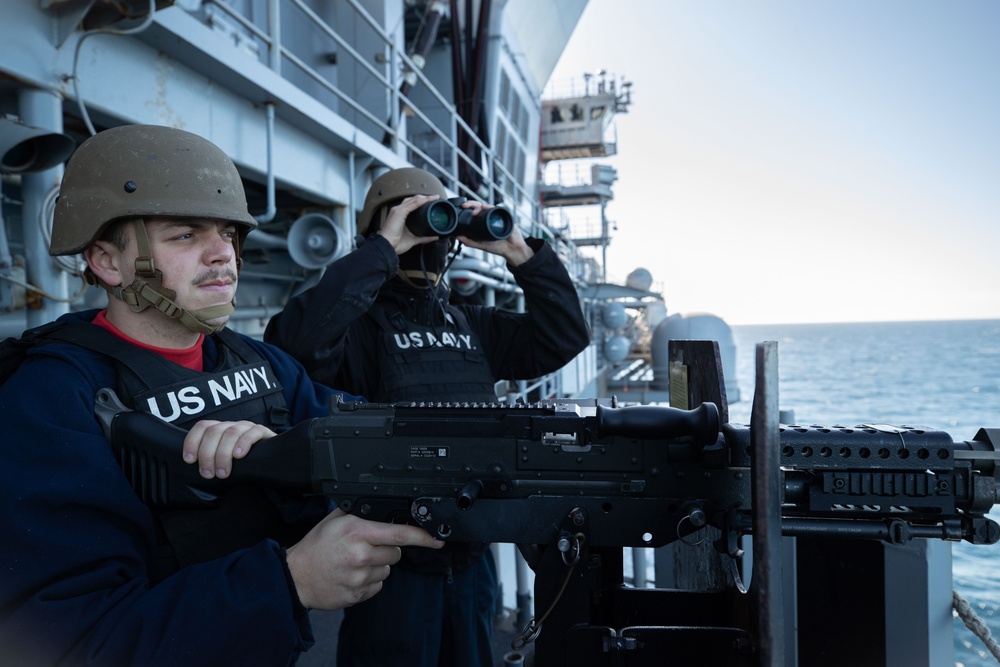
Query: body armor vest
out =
(422, 363)
(242, 386)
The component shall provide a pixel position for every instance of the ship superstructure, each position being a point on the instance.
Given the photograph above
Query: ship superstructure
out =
(312, 100)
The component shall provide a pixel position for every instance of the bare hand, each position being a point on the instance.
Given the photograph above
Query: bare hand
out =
(214, 444)
(513, 248)
(395, 230)
(344, 559)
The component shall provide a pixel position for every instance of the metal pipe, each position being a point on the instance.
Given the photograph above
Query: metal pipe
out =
(523, 589)
(5, 258)
(639, 579)
(352, 212)
(271, 207)
(479, 265)
(484, 280)
(41, 109)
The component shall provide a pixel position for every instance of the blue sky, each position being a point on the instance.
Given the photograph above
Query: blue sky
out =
(790, 161)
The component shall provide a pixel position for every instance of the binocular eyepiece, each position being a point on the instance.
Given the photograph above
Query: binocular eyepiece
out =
(446, 217)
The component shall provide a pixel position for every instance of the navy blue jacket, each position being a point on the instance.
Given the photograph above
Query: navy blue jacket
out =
(76, 541)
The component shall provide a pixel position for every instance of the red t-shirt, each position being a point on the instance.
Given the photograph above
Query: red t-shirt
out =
(188, 358)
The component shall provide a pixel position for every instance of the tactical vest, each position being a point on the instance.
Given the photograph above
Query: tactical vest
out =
(241, 386)
(421, 363)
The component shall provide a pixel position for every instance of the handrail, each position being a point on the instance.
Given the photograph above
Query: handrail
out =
(525, 205)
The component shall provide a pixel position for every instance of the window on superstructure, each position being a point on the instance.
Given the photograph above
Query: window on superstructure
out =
(511, 140)
(501, 144)
(515, 111)
(504, 91)
(510, 160)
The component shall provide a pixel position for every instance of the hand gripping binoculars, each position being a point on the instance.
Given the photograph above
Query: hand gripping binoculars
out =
(446, 217)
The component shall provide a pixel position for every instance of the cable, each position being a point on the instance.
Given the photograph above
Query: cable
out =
(72, 264)
(76, 58)
(37, 290)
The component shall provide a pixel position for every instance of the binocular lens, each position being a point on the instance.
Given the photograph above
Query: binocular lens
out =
(435, 218)
(492, 224)
(499, 224)
(440, 219)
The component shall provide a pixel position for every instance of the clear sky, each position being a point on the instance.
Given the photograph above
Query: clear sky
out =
(790, 161)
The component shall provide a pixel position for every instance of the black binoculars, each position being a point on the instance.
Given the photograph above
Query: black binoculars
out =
(446, 217)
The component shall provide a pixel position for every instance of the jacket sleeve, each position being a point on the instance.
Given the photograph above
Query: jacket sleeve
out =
(313, 325)
(77, 546)
(551, 331)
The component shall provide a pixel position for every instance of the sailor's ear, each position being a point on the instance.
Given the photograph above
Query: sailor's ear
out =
(104, 259)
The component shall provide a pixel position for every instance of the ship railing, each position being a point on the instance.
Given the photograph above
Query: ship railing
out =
(391, 124)
(396, 131)
(397, 60)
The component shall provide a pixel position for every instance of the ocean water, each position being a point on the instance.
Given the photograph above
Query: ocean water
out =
(944, 375)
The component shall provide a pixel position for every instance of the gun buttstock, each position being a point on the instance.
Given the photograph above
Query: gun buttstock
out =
(149, 451)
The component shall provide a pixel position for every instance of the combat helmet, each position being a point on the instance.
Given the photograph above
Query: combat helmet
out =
(136, 171)
(392, 187)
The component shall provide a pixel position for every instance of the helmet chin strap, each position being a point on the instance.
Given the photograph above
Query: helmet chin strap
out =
(147, 290)
(409, 276)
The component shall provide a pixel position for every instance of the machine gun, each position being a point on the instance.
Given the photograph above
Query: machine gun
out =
(581, 479)
(635, 476)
